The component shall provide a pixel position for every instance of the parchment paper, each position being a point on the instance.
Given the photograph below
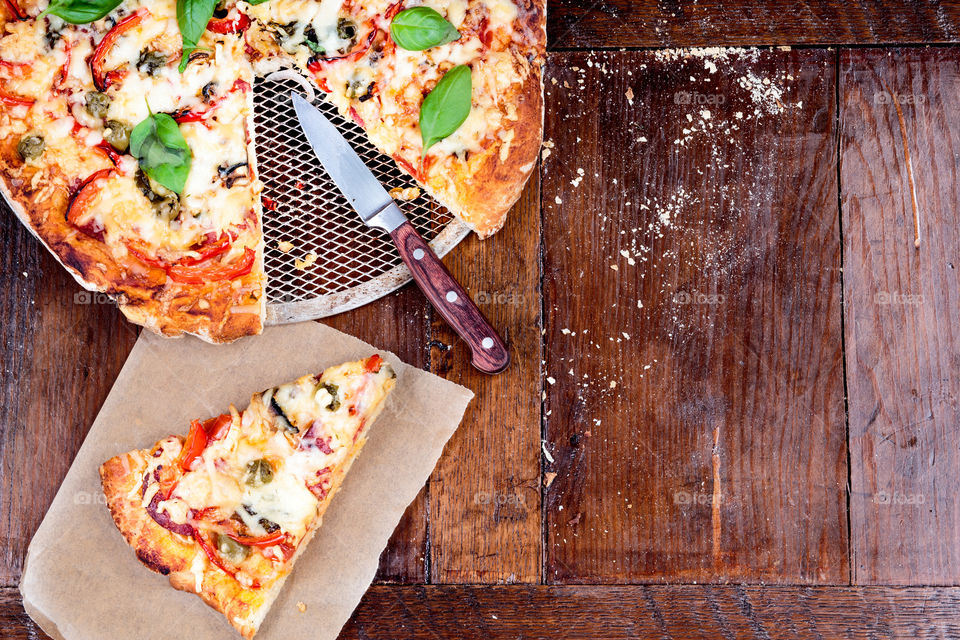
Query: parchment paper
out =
(82, 581)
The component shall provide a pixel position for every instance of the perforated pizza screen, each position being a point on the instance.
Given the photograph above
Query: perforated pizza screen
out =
(305, 215)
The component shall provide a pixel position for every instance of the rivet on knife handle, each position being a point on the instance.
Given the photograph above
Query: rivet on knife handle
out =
(490, 355)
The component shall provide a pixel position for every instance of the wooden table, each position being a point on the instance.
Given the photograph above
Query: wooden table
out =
(735, 393)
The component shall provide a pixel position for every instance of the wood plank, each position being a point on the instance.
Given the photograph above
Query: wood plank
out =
(61, 350)
(485, 492)
(605, 613)
(586, 24)
(692, 295)
(399, 323)
(900, 140)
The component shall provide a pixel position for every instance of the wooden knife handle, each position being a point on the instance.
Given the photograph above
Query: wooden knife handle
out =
(490, 355)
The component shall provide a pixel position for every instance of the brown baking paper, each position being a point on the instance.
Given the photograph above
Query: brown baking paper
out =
(82, 581)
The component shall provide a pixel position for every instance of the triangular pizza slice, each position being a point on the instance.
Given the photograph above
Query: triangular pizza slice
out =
(225, 511)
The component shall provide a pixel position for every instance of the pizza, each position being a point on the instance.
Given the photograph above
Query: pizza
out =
(226, 511)
(127, 138)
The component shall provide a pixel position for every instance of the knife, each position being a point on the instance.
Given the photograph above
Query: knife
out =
(378, 210)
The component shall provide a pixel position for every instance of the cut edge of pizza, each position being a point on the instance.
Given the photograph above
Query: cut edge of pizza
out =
(226, 511)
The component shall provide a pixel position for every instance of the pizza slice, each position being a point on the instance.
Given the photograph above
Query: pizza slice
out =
(451, 89)
(226, 511)
(140, 178)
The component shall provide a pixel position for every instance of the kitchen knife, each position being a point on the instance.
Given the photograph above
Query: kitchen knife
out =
(377, 209)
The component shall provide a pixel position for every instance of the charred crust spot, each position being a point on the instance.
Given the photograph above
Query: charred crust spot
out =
(152, 560)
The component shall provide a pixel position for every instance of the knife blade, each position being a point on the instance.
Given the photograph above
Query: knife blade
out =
(377, 209)
(361, 188)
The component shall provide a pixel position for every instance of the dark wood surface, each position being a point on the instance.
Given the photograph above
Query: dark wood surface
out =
(762, 391)
(584, 24)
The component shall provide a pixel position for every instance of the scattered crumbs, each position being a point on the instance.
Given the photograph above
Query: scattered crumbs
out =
(558, 200)
(405, 193)
(629, 95)
(548, 478)
(626, 336)
(301, 606)
(285, 246)
(565, 331)
(546, 452)
(641, 139)
(551, 380)
(306, 263)
(613, 384)
(615, 267)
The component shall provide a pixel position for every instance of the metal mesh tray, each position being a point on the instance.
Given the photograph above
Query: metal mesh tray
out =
(354, 264)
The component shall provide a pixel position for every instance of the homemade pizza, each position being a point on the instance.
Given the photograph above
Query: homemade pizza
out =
(226, 511)
(127, 134)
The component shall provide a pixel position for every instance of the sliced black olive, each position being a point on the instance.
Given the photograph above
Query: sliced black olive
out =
(231, 174)
(51, 36)
(259, 472)
(117, 134)
(366, 96)
(220, 12)
(310, 39)
(151, 61)
(332, 389)
(97, 104)
(282, 420)
(208, 91)
(269, 526)
(359, 89)
(231, 550)
(198, 55)
(30, 147)
(346, 29)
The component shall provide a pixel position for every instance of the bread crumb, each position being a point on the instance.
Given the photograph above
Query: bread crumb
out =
(629, 95)
(301, 606)
(285, 246)
(306, 263)
(548, 478)
(405, 193)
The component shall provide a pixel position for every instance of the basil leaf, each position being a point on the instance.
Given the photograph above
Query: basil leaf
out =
(256, 1)
(420, 28)
(446, 107)
(158, 145)
(192, 18)
(80, 11)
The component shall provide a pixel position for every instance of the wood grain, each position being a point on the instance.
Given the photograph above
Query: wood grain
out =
(694, 405)
(62, 349)
(399, 323)
(900, 144)
(585, 24)
(606, 613)
(485, 491)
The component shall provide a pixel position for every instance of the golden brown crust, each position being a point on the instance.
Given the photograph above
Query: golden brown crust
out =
(483, 191)
(168, 553)
(146, 296)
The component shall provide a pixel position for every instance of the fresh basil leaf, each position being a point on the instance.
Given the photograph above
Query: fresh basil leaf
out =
(256, 1)
(80, 11)
(192, 18)
(159, 146)
(420, 28)
(447, 106)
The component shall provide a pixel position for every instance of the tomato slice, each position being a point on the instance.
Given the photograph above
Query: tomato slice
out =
(102, 79)
(15, 9)
(218, 427)
(263, 541)
(12, 100)
(195, 444)
(15, 68)
(203, 273)
(236, 24)
(83, 197)
(373, 363)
